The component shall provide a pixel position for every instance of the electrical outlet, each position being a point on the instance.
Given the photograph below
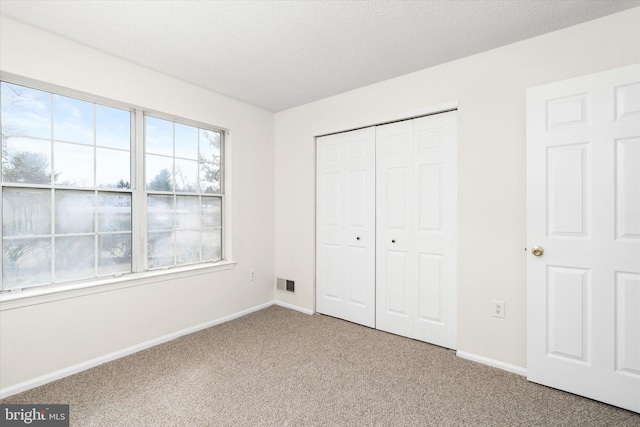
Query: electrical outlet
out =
(252, 274)
(497, 309)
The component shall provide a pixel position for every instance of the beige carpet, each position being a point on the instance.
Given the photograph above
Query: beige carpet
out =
(278, 367)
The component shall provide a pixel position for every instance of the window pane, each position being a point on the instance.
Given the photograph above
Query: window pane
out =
(187, 247)
(159, 212)
(159, 173)
(113, 127)
(114, 254)
(158, 136)
(26, 160)
(211, 212)
(75, 258)
(187, 212)
(186, 176)
(26, 212)
(73, 164)
(114, 212)
(72, 120)
(209, 178)
(25, 112)
(209, 146)
(113, 169)
(75, 211)
(210, 171)
(186, 141)
(211, 245)
(160, 249)
(26, 262)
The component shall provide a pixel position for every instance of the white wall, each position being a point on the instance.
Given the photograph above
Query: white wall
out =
(491, 166)
(44, 338)
(40, 339)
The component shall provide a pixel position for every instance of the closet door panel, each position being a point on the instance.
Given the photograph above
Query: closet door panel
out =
(331, 273)
(329, 228)
(359, 175)
(345, 226)
(429, 193)
(416, 228)
(357, 277)
(397, 288)
(395, 260)
(435, 231)
(430, 291)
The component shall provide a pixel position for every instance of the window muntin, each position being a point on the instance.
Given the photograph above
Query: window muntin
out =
(54, 236)
(184, 197)
(59, 155)
(69, 193)
(61, 141)
(183, 230)
(182, 158)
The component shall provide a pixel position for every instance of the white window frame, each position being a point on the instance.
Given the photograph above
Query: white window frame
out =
(140, 177)
(139, 275)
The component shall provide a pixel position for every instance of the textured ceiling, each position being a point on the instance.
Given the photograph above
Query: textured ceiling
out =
(280, 54)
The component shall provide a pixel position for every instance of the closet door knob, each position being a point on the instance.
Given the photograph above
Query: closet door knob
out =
(358, 238)
(393, 241)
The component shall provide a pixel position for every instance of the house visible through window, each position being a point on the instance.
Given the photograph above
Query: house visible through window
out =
(69, 190)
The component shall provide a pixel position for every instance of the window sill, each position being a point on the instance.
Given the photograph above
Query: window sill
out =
(45, 294)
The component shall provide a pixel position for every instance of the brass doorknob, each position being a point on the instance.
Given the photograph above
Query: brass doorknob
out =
(537, 250)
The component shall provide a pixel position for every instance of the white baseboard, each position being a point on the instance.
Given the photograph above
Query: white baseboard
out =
(492, 362)
(53, 376)
(294, 307)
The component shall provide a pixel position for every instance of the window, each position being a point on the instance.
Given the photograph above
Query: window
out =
(70, 191)
(184, 203)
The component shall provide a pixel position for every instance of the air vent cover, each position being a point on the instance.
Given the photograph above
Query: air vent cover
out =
(285, 285)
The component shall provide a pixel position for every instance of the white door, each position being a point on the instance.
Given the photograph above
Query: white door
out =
(345, 226)
(416, 196)
(583, 210)
(395, 267)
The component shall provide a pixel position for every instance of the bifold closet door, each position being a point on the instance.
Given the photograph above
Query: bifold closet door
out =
(416, 195)
(345, 226)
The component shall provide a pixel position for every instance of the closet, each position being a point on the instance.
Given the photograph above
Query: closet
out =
(386, 227)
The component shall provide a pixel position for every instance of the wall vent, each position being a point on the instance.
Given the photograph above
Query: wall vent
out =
(285, 285)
